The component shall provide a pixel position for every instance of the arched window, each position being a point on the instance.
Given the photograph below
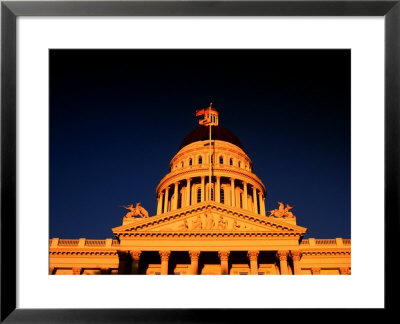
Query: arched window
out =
(241, 200)
(199, 195)
(182, 164)
(222, 196)
(200, 160)
(221, 160)
(190, 161)
(230, 161)
(239, 164)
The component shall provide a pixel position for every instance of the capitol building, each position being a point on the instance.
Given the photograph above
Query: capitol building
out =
(211, 219)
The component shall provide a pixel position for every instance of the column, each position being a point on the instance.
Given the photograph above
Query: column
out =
(296, 255)
(175, 202)
(218, 190)
(123, 258)
(160, 203)
(202, 188)
(224, 256)
(253, 256)
(260, 201)
(188, 192)
(282, 255)
(164, 261)
(263, 206)
(135, 255)
(166, 200)
(245, 204)
(233, 204)
(194, 262)
(315, 271)
(255, 199)
(76, 271)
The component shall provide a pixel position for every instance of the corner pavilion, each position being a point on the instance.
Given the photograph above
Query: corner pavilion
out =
(210, 219)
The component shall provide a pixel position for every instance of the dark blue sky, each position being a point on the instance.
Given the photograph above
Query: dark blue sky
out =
(117, 117)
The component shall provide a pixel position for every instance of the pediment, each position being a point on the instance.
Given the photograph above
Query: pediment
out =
(211, 219)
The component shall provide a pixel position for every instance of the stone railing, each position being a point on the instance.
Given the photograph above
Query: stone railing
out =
(82, 242)
(68, 242)
(325, 242)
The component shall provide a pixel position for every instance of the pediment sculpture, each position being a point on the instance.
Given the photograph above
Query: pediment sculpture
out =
(135, 212)
(282, 211)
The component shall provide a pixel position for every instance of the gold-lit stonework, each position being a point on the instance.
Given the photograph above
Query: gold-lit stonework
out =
(211, 219)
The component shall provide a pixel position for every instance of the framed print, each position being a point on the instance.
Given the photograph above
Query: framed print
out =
(268, 130)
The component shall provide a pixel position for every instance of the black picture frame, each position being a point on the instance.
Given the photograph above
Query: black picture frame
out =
(10, 10)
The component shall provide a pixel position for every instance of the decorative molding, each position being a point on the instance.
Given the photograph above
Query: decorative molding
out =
(223, 255)
(282, 255)
(296, 255)
(326, 252)
(164, 255)
(194, 255)
(253, 255)
(86, 253)
(135, 255)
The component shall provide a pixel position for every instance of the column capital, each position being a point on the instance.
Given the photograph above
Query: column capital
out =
(76, 270)
(218, 177)
(223, 255)
(316, 271)
(189, 179)
(51, 270)
(202, 177)
(176, 183)
(135, 255)
(296, 255)
(282, 255)
(253, 255)
(194, 255)
(344, 270)
(123, 255)
(164, 255)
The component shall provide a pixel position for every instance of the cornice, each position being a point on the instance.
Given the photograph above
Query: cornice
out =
(243, 234)
(326, 252)
(202, 207)
(81, 252)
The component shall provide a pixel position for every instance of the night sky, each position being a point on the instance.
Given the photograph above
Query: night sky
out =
(117, 117)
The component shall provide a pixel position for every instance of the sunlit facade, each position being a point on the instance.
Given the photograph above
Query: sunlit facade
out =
(211, 219)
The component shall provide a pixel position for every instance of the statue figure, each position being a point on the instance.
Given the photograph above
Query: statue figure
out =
(222, 223)
(282, 211)
(196, 224)
(235, 225)
(142, 212)
(184, 226)
(135, 211)
(288, 213)
(210, 221)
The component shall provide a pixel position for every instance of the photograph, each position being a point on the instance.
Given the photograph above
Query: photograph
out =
(200, 161)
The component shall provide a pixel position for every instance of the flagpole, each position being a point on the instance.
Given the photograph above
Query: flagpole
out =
(209, 181)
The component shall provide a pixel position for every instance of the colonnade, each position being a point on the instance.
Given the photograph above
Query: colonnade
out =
(282, 256)
(252, 199)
